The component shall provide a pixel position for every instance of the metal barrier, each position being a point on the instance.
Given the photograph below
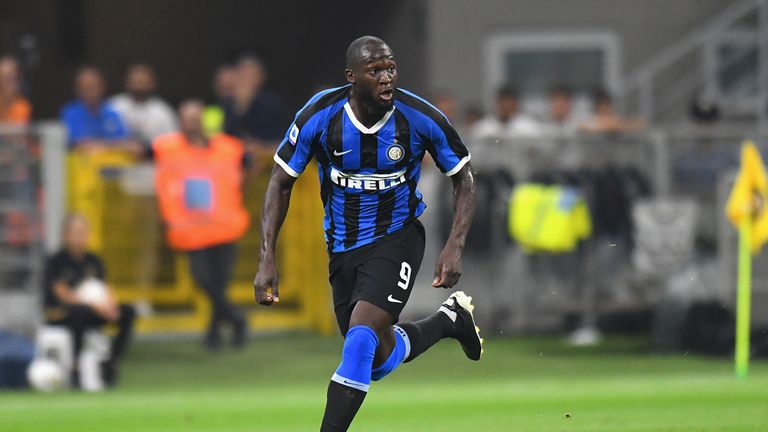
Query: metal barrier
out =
(116, 194)
(514, 295)
(20, 245)
(679, 163)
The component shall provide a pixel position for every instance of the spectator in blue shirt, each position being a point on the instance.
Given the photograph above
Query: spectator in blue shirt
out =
(93, 124)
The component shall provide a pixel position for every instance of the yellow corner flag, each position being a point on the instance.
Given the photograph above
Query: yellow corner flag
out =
(749, 196)
(747, 204)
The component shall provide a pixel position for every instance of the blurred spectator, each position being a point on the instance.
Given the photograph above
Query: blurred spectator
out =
(254, 114)
(94, 125)
(199, 182)
(224, 90)
(14, 107)
(445, 101)
(507, 120)
(605, 118)
(66, 303)
(704, 109)
(472, 114)
(145, 114)
(561, 118)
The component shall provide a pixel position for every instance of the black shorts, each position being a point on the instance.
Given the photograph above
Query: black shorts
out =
(381, 273)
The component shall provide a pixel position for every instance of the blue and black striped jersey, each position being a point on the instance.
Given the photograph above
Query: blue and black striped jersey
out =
(368, 176)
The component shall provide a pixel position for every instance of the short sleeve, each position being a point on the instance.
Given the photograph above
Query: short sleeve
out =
(52, 273)
(75, 129)
(101, 272)
(445, 146)
(115, 127)
(295, 151)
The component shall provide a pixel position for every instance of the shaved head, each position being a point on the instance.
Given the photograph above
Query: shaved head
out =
(372, 72)
(360, 50)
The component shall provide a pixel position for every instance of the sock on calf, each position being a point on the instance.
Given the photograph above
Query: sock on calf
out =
(350, 383)
(427, 332)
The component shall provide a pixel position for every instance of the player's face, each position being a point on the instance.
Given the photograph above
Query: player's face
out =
(376, 78)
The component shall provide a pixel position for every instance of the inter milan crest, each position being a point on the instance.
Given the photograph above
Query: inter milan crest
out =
(395, 152)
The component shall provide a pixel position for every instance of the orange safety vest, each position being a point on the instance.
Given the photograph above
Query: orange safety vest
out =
(199, 190)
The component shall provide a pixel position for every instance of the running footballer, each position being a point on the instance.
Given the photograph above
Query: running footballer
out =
(369, 138)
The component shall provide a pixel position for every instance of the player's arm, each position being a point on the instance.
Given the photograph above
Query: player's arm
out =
(276, 202)
(292, 156)
(448, 266)
(64, 293)
(452, 158)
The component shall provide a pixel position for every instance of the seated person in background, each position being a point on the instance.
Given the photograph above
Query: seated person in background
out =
(14, 107)
(146, 115)
(68, 304)
(254, 114)
(606, 119)
(507, 120)
(92, 124)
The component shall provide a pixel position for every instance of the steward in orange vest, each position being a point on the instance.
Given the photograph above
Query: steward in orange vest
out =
(199, 189)
(199, 182)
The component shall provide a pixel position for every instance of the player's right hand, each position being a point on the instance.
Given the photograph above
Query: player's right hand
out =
(265, 285)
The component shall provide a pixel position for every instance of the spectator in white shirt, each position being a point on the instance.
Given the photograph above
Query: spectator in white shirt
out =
(605, 119)
(507, 120)
(562, 119)
(146, 114)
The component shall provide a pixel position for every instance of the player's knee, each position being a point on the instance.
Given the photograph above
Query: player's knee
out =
(361, 342)
(357, 358)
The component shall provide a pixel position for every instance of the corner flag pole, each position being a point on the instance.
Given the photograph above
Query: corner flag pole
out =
(744, 297)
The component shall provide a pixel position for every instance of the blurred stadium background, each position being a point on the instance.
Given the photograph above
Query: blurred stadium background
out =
(629, 325)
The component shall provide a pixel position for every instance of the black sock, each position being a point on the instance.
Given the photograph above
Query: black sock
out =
(427, 332)
(341, 407)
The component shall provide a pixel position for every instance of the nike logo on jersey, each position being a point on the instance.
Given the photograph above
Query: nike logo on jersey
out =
(393, 300)
(367, 182)
(335, 153)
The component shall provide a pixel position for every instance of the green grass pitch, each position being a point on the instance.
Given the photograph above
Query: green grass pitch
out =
(278, 384)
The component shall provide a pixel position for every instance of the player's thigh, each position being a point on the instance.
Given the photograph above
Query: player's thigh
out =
(342, 279)
(386, 277)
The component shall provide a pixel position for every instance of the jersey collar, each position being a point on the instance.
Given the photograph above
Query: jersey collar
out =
(373, 129)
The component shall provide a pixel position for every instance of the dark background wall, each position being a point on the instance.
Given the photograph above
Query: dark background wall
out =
(301, 42)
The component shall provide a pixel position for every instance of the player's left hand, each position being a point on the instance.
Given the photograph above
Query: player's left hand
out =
(448, 268)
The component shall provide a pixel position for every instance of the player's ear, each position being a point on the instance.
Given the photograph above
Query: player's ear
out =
(349, 75)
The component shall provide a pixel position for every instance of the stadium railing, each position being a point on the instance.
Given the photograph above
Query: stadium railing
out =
(529, 293)
(678, 162)
(21, 249)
